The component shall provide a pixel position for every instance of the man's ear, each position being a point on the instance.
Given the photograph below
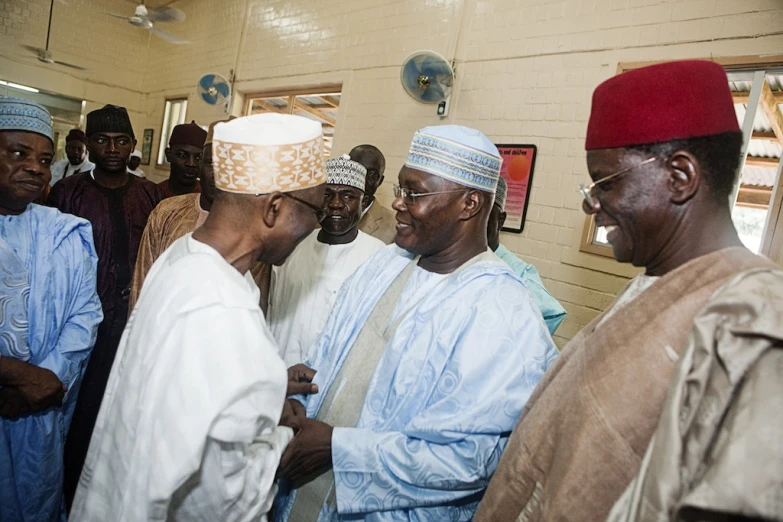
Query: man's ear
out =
(473, 203)
(685, 176)
(272, 205)
(501, 220)
(167, 152)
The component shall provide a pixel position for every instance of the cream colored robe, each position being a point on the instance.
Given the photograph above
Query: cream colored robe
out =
(582, 435)
(719, 443)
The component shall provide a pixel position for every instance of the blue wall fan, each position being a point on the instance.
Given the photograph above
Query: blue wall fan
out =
(214, 89)
(427, 77)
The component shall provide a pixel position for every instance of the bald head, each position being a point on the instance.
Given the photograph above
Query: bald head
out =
(372, 159)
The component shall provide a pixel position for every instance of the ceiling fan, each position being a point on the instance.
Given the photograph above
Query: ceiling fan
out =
(45, 55)
(146, 18)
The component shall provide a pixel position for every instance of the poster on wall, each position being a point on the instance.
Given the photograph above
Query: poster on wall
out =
(146, 147)
(517, 169)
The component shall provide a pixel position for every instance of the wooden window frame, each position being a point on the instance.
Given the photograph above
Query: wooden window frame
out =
(730, 63)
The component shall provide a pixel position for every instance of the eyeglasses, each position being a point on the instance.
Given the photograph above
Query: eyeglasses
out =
(587, 190)
(409, 198)
(320, 213)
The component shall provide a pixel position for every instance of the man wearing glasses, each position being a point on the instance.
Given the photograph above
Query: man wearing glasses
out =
(427, 359)
(188, 427)
(663, 166)
(304, 288)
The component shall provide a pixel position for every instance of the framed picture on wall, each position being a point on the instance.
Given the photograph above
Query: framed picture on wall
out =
(146, 146)
(519, 161)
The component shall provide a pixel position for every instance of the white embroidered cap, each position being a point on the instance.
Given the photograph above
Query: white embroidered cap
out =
(345, 171)
(268, 152)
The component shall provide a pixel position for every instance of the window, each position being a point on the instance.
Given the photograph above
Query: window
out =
(320, 104)
(173, 115)
(757, 89)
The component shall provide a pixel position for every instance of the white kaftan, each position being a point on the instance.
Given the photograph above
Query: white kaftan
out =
(188, 426)
(305, 287)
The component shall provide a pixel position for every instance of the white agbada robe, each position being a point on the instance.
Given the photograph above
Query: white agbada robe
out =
(188, 426)
(64, 168)
(304, 289)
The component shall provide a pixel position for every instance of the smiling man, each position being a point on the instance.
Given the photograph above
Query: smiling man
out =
(305, 287)
(188, 428)
(663, 168)
(184, 156)
(427, 359)
(117, 204)
(49, 314)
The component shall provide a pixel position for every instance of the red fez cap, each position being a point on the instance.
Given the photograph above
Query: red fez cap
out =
(188, 134)
(76, 135)
(660, 103)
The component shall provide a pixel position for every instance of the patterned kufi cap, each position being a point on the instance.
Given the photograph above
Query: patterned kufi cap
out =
(211, 131)
(268, 152)
(456, 153)
(345, 171)
(17, 114)
(501, 193)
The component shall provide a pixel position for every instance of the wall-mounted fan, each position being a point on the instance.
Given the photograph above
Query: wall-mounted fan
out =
(427, 77)
(214, 89)
(45, 55)
(146, 18)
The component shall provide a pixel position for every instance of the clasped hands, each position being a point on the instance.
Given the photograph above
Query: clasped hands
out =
(27, 389)
(309, 454)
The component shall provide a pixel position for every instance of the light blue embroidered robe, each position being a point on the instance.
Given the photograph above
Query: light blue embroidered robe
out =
(551, 309)
(51, 256)
(446, 393)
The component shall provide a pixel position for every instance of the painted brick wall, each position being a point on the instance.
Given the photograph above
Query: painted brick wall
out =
(525, 73)
(114, 52)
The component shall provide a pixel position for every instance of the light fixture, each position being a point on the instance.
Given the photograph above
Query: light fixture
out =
(20, 87)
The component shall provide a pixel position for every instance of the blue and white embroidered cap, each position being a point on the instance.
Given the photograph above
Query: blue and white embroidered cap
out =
(345, 171)
(17, 114)
(501, 193)
(456, 153)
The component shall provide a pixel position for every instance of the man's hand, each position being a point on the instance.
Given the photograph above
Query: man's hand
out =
(308, 455)
(12, 404)
(40, 388)
(293, 414)
(300, 378)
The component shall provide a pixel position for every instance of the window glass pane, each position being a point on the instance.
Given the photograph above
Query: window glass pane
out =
(276, 104)
(173, 115)
(318, 106)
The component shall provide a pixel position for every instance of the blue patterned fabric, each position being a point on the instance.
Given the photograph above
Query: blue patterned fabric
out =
(447, 391)
(456, 153)
(56, 291)
(18, 114)
(551, 309)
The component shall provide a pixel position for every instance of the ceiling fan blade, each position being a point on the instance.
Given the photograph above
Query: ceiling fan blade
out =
(36, 50)
(72, 66)
(117, 16)
(165, 14)
(171, 38)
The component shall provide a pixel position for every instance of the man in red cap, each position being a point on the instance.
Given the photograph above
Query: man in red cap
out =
(184, 155)
(663, 166)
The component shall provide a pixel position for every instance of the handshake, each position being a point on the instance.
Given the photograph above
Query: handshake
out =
(309, 453)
